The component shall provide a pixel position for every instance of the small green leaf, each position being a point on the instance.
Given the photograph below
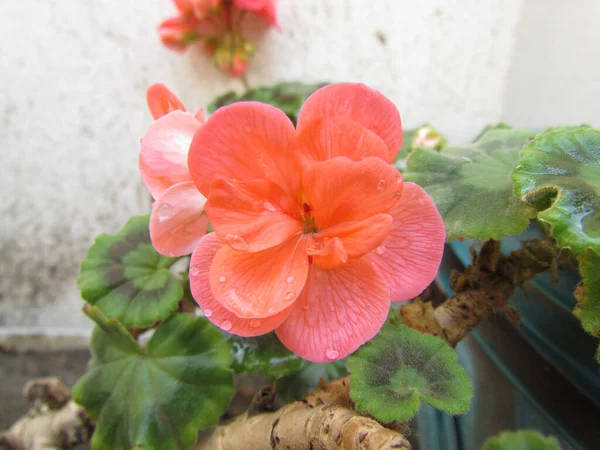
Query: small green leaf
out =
(588, 293)
(288, 97)
(521, 440)
(393, 372)
(265, 354)
(127, 279)
(156, 397)
(559, 172)
(296, 385)
(472, 187)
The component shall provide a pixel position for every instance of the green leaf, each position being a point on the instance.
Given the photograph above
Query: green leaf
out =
(288, 97)
(588, 293)
(521, 440)
(296, 385)
(127, 279)
(156, 397)
(392, 373)
(559, 172)
(265, 354)
(472, 187)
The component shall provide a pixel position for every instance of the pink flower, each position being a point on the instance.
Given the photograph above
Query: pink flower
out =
(315, 230)
(265, 9)
(177, 221)
(178, 32)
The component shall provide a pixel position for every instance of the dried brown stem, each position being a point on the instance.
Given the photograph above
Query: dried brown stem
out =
(484, 288)
(54, 421)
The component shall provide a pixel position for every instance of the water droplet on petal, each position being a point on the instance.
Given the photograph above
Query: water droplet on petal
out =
(222, 279)
(195, 270)
(399, 179)
(165, 212)
(235, 240)
(380, 250)
(290, 279)
(332, 353)
(398, 194)
(254, 323)
(226, 325)
(305, 306)
(381, 185)
(270, 310)
(207, 313)
(270, 207)
(290, 296)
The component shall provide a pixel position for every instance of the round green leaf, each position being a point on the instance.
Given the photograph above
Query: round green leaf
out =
(472, 186)
(156, 397)
(588, 295)
(392, 373)
(288, 97)
(127, 279)
(559, 172)
(265, 354)
(521, 440)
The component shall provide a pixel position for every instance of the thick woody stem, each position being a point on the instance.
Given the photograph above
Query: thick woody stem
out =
(325, 420)
(485, 288)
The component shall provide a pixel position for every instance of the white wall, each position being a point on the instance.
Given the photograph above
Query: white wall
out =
(72, 86)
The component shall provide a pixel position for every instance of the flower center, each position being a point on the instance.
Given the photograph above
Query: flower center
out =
(308, 222)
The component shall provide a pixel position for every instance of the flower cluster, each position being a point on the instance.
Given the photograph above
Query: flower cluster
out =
(315, 231)
(217, 24)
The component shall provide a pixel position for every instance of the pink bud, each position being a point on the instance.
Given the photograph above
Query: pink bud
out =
(178, 32)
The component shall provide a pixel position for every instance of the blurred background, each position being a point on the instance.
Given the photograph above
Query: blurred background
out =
(72, 92)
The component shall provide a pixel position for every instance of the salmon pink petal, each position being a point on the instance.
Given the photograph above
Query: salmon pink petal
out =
(163, 155)
(259, 285)
(178, 220)
(359, 103)
(329, 255)
(252, 215)
(359, 237)
(337, 312)
(410, 256)
(200, 263)
(323, 139)
(244, 141)
(161, 101)
(184, 6)
(341, 190)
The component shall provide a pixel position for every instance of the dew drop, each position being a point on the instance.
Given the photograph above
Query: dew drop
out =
(165, 212)
(254, 323)
(207, 313)
(291, 279)
(381, 185)
(270, 207)
(195, 270)
(270, 310)
(235, 240)
(332, 353)
(399, 179)
(222, 279)
(398, 194)
(380, 250)
(226, 325)
(290, 296)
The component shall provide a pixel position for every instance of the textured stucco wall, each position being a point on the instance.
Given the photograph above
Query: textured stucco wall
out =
(72, 86)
